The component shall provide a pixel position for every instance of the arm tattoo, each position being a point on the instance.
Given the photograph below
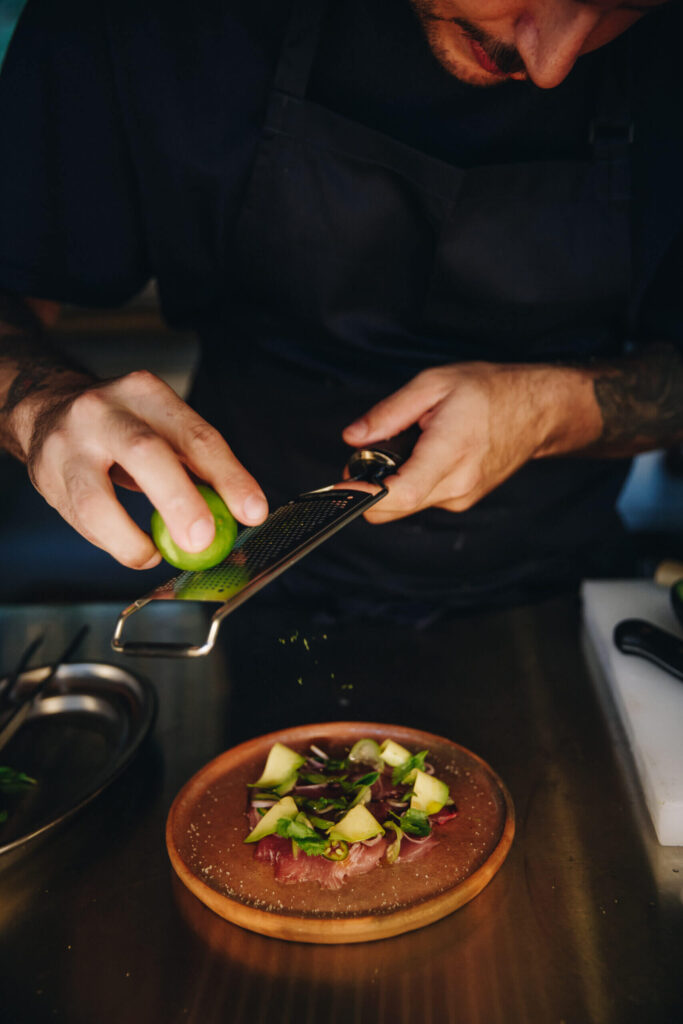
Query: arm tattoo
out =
(22, 344)
(29, 363)
(641, 402)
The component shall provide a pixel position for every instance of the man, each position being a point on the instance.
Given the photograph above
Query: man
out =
(457, 213)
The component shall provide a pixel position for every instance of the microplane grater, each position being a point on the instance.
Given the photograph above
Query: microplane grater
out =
(263, 552)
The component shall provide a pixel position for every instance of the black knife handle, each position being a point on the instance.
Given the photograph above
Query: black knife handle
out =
(375, 461)
(664, 649)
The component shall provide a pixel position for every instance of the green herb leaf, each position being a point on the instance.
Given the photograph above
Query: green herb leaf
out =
(323, 823)
(367, 780)
(402, 771)
(415, 823)
(303, 835)
(11, 779)
(323, 803)
(312, 778)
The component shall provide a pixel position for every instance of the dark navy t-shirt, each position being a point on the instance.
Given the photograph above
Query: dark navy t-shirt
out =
(129, 132)
(129, 129)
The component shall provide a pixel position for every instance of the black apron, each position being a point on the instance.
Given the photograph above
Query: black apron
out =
(357, 262)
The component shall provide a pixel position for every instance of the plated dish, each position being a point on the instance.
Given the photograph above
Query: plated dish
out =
(208, 823)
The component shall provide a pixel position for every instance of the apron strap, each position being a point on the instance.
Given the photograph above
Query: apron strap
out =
(611, 131)
(611, 136)
(299, 47)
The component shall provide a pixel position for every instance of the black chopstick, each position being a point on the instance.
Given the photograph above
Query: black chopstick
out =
(8, 687)
(21, 712)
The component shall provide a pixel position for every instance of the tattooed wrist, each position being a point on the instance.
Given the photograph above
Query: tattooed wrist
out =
(26, 355)
(40, 371)
(641, 402)
(29, 365)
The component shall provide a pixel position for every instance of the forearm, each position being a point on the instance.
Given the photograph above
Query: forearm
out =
(616, 409)
(35, 378)
(640, 402)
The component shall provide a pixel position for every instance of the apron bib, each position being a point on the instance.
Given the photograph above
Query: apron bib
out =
(359, 261)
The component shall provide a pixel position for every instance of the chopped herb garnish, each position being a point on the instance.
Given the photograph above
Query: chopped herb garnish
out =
(367, 780)
(415, 823)
(305, 837)
(402, 771)
(323, 823)
(338, 807)
(12, 781)
(324, 803)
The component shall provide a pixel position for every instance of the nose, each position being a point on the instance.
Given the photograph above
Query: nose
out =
(550, 37)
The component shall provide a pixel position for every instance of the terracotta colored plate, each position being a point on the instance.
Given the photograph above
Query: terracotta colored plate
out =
(207, 825)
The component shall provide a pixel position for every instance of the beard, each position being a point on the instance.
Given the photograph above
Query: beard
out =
(506, 58)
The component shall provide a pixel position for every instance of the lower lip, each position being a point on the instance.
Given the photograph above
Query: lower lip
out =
(484, 61)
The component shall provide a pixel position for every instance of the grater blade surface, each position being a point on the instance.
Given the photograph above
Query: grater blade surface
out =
(260, 554)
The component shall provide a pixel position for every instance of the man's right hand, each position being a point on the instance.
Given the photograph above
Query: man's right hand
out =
(79, 437)
(137, 432)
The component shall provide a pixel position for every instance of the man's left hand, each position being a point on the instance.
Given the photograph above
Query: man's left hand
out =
(480, 422)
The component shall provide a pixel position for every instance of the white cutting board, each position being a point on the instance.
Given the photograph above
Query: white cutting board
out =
(648, 700)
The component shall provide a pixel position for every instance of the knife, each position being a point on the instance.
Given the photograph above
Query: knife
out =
(664, 649)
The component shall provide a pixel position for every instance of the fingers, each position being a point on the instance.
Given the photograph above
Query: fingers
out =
(156, 469)
(415, 485)
(450, 466)
(201, 447)
(90, 506)
(399, 411)
(140, 432)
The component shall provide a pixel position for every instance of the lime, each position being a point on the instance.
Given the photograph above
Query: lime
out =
(220, 547)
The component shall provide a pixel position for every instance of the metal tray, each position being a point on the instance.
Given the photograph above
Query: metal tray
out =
(77, 739)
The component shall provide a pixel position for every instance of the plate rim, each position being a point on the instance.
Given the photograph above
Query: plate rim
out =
(294, 926)
(149, 706)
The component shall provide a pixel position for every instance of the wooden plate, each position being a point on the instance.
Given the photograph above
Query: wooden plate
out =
(206, 827)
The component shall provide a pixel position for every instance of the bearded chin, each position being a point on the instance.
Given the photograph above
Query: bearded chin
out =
(432, 26)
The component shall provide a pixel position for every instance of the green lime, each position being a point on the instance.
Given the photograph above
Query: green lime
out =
(220, 547)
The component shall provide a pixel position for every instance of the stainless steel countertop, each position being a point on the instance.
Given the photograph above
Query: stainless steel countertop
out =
(582, 925)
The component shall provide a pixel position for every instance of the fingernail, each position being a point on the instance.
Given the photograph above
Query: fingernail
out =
(357, 431)
(154, 560)
(255, 508)
(201, 533)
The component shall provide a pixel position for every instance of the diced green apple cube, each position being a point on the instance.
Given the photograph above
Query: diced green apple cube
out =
(356, 825)
(281, 768)
(285, 808)
(429, 793)
(393, 753)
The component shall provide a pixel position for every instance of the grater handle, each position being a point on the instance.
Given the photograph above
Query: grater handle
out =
(384, 457)
(153, 648)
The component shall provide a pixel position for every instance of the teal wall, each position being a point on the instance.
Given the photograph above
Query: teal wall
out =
(9, 12)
